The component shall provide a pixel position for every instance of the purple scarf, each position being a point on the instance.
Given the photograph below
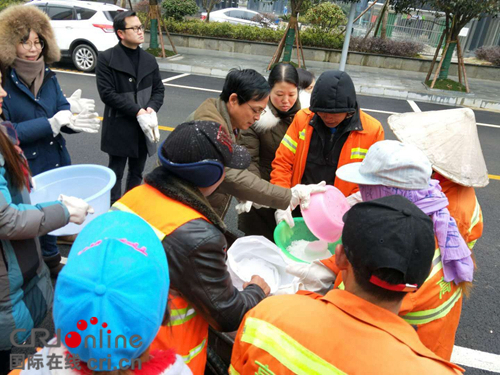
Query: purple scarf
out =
(455, 254)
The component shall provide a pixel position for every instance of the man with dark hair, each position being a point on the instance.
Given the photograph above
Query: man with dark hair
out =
(173, 201)
(387, 252)
(129, 84)
(243, 100)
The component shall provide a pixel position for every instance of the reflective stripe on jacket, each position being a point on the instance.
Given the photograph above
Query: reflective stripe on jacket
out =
(361, 338)
(187, 332)
(291, 156)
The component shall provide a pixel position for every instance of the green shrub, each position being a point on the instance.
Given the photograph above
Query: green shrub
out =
(5, 3)
(326, 17)
(178, 9)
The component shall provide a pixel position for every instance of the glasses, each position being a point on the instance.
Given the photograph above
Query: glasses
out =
(256, 111)
(135, 28)
(28, 45)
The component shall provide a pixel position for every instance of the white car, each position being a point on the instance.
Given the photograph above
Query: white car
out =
(240, 16)
(82, 28)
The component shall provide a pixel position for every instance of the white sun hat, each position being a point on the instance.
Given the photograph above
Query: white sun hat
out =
(450, 141)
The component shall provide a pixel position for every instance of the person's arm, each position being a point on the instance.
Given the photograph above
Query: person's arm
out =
(157, 93)
(31, 130)
(251, 141)
(246, 186)
(63, 105)
(284, 160)
(24, 221)
(107, 90)
(196, 254)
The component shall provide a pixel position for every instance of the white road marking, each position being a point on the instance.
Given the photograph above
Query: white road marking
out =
(175, 77)
(192, 88)
(476, 359)
(414, 106)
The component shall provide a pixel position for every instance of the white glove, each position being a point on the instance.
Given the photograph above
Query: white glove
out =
(314, 277)
(77, 208)
(78, 104)
(301, 194)
(85, 121)
(145, 122)
(286, 215)
(244, 206)
(354, 198)
(154, 126)
(60, 119)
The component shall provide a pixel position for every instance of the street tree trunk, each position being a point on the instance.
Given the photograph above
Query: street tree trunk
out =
(385, 17)
(153, 6)
(445, 67)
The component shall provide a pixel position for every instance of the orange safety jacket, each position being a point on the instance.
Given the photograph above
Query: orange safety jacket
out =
(187, 331)
(290, 161)
(338, 333)
(464, 208)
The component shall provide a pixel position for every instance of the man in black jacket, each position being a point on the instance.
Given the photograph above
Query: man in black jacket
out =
(130, 85)
(173, 201)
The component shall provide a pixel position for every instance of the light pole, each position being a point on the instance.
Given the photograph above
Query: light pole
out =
(345, 48)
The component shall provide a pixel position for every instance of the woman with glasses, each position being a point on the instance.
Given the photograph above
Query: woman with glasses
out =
(36, 105)
(263, 138)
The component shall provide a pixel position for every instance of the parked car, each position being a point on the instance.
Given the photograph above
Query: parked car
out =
(240, 16)
(82, 28)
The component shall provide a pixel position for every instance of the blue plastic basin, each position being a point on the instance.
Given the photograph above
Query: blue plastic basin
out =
(89, 182)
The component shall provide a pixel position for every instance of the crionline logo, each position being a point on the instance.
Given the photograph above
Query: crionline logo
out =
(74, 339)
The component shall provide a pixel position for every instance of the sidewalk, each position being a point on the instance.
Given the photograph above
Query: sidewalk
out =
(369, 81)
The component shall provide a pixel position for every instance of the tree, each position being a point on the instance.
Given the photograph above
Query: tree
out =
(178, 9)
(457, 14)
(208, 5)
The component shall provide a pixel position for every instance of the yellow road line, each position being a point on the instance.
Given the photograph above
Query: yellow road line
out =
(494, 177)
(166, 128)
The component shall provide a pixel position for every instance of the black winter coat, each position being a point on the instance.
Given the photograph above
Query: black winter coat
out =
(124, 93)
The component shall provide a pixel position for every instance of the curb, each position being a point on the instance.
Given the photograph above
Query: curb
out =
(372, 90)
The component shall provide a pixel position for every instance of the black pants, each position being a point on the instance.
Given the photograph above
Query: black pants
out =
(135, 169)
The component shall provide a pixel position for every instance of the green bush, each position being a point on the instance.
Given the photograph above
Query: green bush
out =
(5, 3)
(178, 9)
(326, 17)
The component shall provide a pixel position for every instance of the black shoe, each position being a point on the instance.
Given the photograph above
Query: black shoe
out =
(54, 264)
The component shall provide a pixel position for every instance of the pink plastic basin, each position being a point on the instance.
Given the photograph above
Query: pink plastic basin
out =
(324, 214)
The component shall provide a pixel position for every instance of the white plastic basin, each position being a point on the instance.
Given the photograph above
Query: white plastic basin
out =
(89, 182)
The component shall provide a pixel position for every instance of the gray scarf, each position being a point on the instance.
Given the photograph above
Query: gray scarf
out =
(31, 73)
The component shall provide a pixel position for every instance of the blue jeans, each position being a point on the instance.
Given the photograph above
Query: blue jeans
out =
(49, 246)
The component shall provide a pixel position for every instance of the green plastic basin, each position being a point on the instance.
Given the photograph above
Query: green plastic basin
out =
(284, 236)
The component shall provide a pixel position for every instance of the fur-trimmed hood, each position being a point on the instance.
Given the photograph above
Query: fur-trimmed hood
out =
(15, 23)
(269, 120)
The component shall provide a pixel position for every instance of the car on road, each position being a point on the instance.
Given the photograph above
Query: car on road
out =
(82, 28)
(240, 16)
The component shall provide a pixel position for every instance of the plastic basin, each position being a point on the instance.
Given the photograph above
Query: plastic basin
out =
(91, 183)
(325, 212)
(284, 236)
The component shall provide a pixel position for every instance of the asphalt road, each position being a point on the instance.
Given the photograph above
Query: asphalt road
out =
(480, 323)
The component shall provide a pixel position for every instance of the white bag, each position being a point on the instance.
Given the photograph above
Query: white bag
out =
(256, 255)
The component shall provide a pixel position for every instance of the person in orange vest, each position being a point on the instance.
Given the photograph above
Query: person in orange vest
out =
(332, 132)
(356, 330)
(173, 201)
(449, 139)
(394, 168)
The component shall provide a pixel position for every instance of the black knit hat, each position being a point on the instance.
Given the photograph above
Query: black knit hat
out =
(198, 151)
(390, 233)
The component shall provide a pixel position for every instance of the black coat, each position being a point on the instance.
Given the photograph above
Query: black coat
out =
(124, 93)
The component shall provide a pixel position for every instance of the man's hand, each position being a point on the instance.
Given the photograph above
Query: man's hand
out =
(257, 280)
(142, 112)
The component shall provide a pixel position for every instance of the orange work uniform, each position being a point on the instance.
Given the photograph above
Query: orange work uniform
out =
(290, 161)
(339, 333)
(187, 331)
